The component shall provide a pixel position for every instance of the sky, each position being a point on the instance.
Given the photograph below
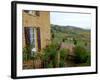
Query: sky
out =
(73, 19)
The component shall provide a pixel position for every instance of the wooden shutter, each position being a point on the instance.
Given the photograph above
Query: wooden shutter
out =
(27, 11)
(27, 36)
(39, 39)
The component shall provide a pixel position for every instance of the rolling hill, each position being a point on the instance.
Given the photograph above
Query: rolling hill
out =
(70, 33)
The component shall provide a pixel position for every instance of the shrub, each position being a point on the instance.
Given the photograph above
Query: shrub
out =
(26, 53)
(50, 65)
(62, 63)
(63, 54)
(50, 54)
(81, 55)
(63, 57)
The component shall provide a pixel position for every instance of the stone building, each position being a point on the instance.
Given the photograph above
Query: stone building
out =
(36, 29)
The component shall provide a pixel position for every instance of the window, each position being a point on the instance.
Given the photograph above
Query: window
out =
(30, 38)
(31, 12)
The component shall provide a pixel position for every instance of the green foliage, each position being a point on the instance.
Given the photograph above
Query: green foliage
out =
(75, 41)
(26, 53)
(63, 57)
(62, 63)
(50, 65)
(85, 44)
(50, 54)
(50, 57)
(63, 54)
(81, 55)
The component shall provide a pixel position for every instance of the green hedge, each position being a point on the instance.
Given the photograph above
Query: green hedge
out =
(81, 54)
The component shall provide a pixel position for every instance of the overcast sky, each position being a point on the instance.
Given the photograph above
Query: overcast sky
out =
(72, 19)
